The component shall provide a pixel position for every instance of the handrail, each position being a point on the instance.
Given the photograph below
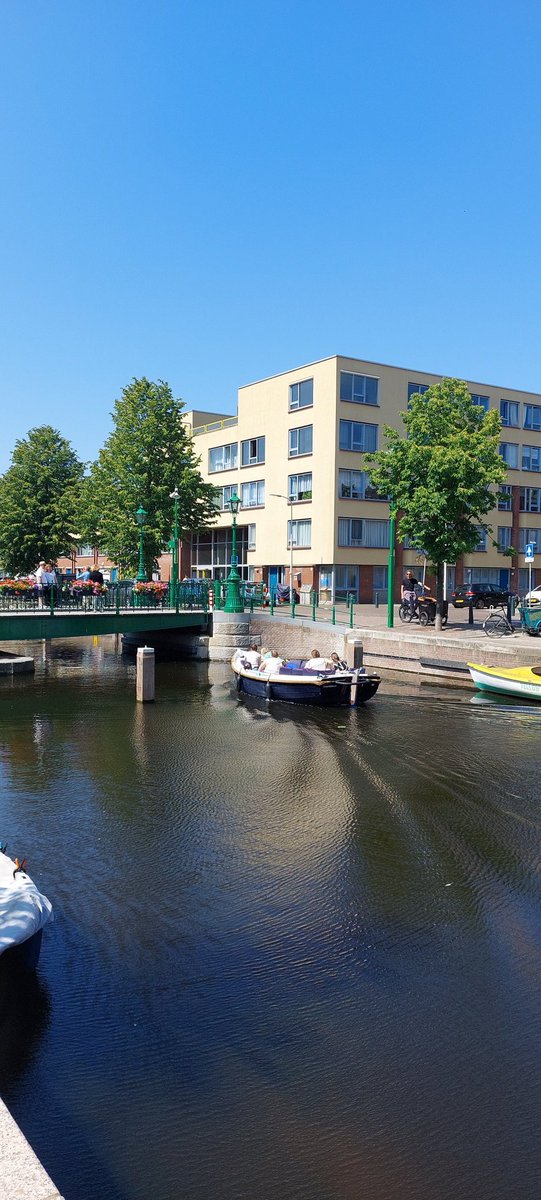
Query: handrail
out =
(214, 426)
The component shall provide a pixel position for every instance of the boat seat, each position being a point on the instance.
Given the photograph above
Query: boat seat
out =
(535, 670)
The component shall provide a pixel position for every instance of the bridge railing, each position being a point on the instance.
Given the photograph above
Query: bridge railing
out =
(116, 597)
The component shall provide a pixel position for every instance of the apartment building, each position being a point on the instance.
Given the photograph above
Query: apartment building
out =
(295, 455)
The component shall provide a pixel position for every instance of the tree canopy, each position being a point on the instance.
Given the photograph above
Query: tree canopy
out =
(148, 454)
(441, 477)
(38, 500)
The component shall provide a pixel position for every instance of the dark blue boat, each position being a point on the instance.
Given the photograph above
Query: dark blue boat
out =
(295, 684)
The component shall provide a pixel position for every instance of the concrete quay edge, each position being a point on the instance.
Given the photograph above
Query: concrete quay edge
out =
(22, 1176)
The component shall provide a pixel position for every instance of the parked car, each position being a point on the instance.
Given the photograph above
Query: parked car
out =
(479, 594)
(533, 597)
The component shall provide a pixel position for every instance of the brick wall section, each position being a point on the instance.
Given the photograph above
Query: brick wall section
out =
(296, 639)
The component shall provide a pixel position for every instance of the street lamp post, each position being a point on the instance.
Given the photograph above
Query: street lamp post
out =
(233, 600)
(175, 496)
(141, 517)
(290, 500)
(390, 568)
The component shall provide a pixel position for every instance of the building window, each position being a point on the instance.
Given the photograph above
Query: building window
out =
(481, 401)
(417, 389)
(373, 535)
(252, 495)
(252, 452)
(481, 539)
(85, 551)
(224, 458)
(251, 537)
(504, 538)
(223, 496)
(299, 487)
(509, 453)
(530, 499)
(510, 413)
(529, 535)
(299, 533)
(358, 389)
(346, 582)
(301, 395)
(300, 441)
(531, 458)
(504, 498)
(532, 416)
(356, 435)
(355, 485)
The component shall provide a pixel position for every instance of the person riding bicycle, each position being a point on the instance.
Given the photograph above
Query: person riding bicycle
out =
(408, 594)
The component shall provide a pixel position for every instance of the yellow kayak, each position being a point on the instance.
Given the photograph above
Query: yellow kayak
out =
(518, 681)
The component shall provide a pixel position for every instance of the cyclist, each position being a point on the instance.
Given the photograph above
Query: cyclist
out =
(408, 593)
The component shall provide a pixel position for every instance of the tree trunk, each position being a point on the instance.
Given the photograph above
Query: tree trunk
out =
(439, 596)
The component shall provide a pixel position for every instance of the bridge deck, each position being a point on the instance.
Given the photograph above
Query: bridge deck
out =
(24, 625)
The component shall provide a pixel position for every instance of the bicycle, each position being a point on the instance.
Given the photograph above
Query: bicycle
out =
(497, 624)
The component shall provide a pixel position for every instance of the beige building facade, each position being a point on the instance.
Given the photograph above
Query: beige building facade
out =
(295, 455)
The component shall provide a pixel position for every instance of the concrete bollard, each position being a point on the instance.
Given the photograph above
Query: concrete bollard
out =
(145, 674)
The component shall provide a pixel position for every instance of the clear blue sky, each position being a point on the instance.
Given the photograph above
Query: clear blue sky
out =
(211, 191)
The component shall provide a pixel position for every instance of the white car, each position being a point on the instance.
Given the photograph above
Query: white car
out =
(533, 597)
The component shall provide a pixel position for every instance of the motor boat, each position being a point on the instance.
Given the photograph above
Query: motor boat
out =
(524, 682)
(294, 683)
(23, 913)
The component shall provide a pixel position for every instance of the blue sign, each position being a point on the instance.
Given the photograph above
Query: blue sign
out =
(529, 551)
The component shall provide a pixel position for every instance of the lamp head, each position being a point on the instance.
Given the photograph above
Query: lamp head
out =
(234, 504)
(141, 516)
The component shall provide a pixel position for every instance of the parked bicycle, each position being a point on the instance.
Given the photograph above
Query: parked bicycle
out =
(497, 624)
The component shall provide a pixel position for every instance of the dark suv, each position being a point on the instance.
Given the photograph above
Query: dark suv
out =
(479, 594)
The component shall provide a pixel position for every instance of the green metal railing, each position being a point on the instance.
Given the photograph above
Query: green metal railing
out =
(119, 597)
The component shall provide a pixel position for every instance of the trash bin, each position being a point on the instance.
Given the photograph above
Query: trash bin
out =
(306, 591)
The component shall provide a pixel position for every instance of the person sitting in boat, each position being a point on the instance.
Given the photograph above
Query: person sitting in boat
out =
(316, 662)
(271, 664)
(338, 663)
(252, 656)
(265, 652)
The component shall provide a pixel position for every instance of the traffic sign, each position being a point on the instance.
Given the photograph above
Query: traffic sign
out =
(529, 551)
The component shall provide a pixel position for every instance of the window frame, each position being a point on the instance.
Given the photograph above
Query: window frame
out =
(506, 421)
(253, 461)
(252, 483)
(296, 499)
(511, 445)
(298, 406)
(226, 446)
(360, 396)
(296, 431)
(357, 449)
(296, 521)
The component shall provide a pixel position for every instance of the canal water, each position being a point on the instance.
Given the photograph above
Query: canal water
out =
(295, 954)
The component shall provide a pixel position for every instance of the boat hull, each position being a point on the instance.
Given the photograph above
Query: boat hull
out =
(521, 682)
(326, 692)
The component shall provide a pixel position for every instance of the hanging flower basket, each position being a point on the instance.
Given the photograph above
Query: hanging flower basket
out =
(87, 587)
(157, 590)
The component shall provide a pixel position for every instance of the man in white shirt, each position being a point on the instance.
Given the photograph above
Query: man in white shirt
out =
(316, 662)
(252, 656)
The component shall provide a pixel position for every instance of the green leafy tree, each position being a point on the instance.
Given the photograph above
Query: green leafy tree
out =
(39, 496)
(148, 454)
(441, 477)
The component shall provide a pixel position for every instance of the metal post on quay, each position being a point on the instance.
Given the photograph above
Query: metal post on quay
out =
(141, 517)
(233, 602)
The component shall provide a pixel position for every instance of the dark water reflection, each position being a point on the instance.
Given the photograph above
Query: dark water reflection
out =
(295, 954)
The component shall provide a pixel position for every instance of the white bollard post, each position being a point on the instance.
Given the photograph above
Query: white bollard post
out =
(145, 675)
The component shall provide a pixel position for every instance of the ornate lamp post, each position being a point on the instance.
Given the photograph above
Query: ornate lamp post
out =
(175, 496)
(141, 517)
(233, 601)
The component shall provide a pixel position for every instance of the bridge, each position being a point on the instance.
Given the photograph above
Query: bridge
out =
(67, 612)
